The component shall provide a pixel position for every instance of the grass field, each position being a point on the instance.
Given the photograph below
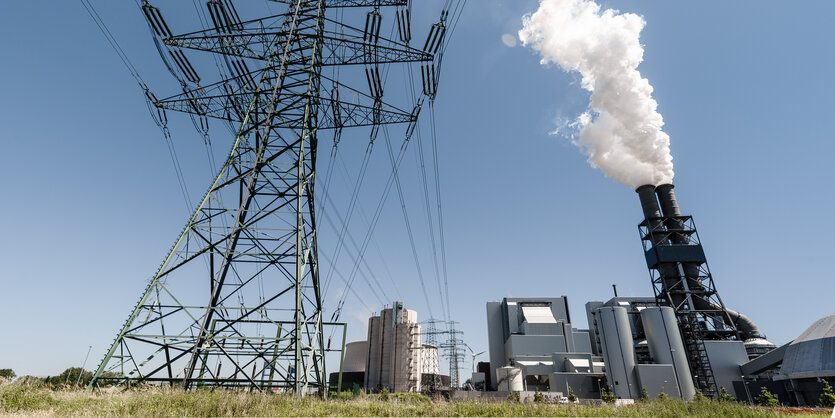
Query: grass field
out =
(25, 400)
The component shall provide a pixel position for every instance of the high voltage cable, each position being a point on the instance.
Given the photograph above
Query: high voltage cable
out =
(376, 217)
(444, 308)
(113, 43)
(160, 119)
(440, 207)
(365, 219)
(357, 258)
(396, 176)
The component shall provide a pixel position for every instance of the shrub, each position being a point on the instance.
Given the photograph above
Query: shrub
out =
(341, 395)
(572, 397)
(411, 398)
(699, 397)
(538, 396)
(724, 396)
(827, 398)
(7, 373)
(513, 397)
(606, 395)
(644, 396)
(384, 394)
(766, 398)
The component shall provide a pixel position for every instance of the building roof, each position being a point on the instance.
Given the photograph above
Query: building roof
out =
(812, 354)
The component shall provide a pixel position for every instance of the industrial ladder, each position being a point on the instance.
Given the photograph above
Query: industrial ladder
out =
(697, 356)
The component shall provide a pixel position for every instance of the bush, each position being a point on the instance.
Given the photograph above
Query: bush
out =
(644, 396)
(662, 396)
(699, 397)
(513, 397)
(724, 396)
(384, 394)
(538, 397)
(766, 398)
(606, 395)
(7, 373)
(827, 398)
(341, 395)
(572, 397)
(410, 398)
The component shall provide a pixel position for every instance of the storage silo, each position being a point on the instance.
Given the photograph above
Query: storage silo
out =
(618, 352)
(666, 345)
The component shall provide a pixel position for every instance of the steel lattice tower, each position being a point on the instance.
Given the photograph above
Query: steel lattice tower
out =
(237, 300)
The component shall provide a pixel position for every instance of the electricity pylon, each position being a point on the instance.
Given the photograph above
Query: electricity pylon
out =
(237, 300)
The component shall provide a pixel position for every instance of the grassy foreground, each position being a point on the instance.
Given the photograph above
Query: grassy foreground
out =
(25, 400)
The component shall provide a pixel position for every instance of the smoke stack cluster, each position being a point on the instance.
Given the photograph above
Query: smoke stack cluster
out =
(666, 227)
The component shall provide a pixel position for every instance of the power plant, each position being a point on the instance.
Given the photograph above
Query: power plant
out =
(680, 341)
(238, 302)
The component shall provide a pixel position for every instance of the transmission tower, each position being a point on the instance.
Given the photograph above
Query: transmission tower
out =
(237, 301)
(454, 352)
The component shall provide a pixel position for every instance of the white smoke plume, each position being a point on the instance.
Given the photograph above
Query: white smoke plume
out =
(620, 132)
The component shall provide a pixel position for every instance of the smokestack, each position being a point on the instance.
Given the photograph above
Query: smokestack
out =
(667, 197)
(648, 203)
(670, 209)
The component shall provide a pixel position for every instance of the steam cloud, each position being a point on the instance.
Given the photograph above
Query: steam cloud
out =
(620, 132)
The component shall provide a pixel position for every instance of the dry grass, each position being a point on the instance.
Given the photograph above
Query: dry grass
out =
(27, 400)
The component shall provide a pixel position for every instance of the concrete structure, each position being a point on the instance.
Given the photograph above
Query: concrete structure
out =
(534, 338)
(394, 351)
(356, 355)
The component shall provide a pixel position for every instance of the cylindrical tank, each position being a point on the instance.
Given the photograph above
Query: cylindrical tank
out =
(618, 351)
(756, 347)
(666, 346)
(509, 379)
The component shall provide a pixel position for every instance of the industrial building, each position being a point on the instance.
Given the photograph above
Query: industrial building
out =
(393, 357)
(794, 372)
(681, 340)
(533, 346)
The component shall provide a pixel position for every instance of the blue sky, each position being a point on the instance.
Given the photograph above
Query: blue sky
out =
(92, 203)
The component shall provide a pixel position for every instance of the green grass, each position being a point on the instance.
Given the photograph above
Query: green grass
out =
(22, 399)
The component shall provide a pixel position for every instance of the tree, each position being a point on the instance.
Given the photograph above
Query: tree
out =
(572, 397)
(766, 398)
(827, 398)
(606, 395)
(7, 373)
(73, 376)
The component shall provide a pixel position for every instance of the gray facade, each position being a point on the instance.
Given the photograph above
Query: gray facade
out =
(535, 335)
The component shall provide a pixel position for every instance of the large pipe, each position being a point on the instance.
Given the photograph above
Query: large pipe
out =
(670, 208)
